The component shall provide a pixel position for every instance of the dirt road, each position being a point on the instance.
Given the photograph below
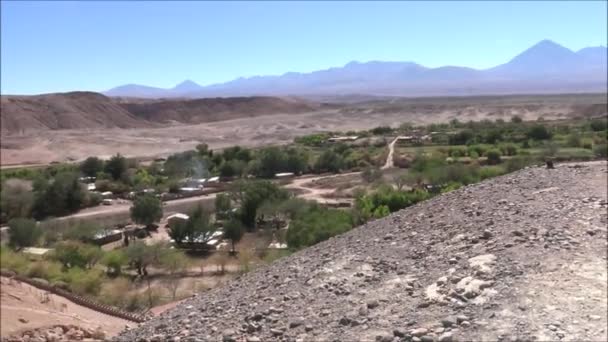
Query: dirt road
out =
(389, 159)
(307, 191)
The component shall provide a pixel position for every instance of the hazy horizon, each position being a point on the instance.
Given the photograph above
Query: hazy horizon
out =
(66, 46)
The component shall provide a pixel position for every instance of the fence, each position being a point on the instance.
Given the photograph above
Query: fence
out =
(103, 308)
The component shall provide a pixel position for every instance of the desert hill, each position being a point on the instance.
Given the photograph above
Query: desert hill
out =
(88, 110)
(517, 257)
(64, 111)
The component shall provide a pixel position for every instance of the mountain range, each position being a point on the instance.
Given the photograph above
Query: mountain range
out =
(546, 67)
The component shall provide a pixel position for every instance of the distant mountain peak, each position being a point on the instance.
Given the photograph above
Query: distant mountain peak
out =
(187, 85)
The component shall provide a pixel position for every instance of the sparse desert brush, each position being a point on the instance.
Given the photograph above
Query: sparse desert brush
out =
(13, 261)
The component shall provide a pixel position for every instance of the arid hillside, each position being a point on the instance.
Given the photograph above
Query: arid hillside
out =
(517, 257)
(64, 111)
(214, 109)
(88, 110)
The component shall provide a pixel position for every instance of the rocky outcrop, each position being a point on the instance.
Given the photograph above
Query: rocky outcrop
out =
(518, 257)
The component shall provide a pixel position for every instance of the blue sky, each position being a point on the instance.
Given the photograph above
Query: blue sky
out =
(53, 46)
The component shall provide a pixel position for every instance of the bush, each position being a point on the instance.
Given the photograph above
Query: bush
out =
(493, 157)
(508, 149)
(47, 270)
(114, 261)
(81, 231)
(601, 150)
(478, 149)
(312, 139)
(516, 119)
(76, 254)
(85, 282)
(574, 140)
(598, 125)
(23, 233)
(222, 205)
(233, 231)
(371, 174)
(490, 172)
(16, 199)
(15, 262)
(539, 132)
(380, 130)
(317, 225)
(329, 161)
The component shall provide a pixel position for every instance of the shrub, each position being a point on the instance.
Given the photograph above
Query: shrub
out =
(15, 262)
(516, 119)
(380, 130)
(50, 271)
(85, 282)
(490, 172)
(539, 132)
(116, 166)
(114, 261)
(478, 149)
(329, 161)
(317, 225)
(601, 150)
(371, 174)
(16, 199)
(599, 125)
(493, 157)
(23, 233)
(76, 254)
(508, 149)
(574, 140)
(233, 231)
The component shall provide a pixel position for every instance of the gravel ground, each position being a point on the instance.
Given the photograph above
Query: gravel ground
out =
(517, 257)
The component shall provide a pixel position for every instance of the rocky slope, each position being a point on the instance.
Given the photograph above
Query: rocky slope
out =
(518, 257)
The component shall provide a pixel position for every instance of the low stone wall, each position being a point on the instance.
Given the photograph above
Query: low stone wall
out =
(103, 308)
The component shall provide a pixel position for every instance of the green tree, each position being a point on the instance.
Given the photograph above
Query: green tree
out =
(146, 210)
(77, 254)
(538, 132)
(23, 232)
(297, 160)
(329, 161)
(64, 195)
(234, 231)
(174, 262)
(114, 261)
(222, 205)
(116, 166)
(91, 166)
(141, 256)
(272, 161)
(16, 199)
(250, 195)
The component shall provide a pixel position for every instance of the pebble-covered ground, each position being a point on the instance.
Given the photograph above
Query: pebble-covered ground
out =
(518, 257)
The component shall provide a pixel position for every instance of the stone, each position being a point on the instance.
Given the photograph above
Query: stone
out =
(427, 338)
(445, 337)
(399, 332)
(448, 322)
(419, 332)
(228, 335)
(296, 323)
(276, 332)
(308, 327)
(253, 339)
(372, 304)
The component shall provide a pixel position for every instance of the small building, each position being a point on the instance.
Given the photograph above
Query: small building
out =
(174, 219)
(87, 179)
(36, 252)
(188, 189)
(343, 138)
(91, 187)
(107, 194)
(284, 175)
(107, 201)
(215, 179)
(277, 245)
